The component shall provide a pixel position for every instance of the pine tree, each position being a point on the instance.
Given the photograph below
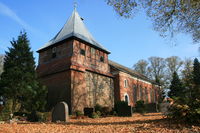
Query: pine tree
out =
(195, 90)
(176, 87)
(19, 81)
(196, 72)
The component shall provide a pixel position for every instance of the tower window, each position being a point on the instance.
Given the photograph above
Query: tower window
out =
(82, 52)
(54, 52)
(102, 59)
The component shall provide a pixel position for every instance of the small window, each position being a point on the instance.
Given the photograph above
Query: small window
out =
(82, 52)
(125, 83)
(54, 52)
(102, 59)
(92, 51)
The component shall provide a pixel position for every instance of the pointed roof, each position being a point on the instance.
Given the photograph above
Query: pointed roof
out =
(74, 27)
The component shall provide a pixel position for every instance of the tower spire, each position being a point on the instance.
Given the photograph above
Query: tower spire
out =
(75, 4)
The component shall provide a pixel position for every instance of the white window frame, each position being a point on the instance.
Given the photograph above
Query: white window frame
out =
(125, 83)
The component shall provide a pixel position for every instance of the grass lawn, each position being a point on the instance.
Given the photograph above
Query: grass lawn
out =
(149, 123)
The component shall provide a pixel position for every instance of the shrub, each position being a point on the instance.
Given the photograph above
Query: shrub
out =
(140, 107)
(88, 111)
(106, 111)
(98, 113)
(38, 116)
(122, 108)
(78, 113)
(185, 112)
(6, 111)
(98, 108)
(151, 107)
(94, 115)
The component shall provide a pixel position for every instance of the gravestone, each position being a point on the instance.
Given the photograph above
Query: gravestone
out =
(60, 112)
(88, 111)
(164, 107)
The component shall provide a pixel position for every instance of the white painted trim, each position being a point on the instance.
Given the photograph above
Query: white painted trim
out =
(126, 94)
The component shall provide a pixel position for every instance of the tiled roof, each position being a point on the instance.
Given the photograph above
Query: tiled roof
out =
(74, 27)
(129, 71)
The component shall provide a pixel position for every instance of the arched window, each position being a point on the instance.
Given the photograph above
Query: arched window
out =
(126, 98)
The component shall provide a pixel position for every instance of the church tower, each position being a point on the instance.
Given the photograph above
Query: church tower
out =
(74, 67)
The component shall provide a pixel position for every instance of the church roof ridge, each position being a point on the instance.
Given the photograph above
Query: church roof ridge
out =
(130, 71)
(74, 27)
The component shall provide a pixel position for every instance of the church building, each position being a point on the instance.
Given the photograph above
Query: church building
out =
(76, 69)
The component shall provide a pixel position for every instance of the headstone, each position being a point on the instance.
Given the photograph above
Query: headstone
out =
(88, 111)
(60, 112)
(164, 107)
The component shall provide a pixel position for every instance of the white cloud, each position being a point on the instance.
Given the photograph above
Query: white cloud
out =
(5, 10)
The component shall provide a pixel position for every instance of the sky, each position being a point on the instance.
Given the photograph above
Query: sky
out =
(129, 40)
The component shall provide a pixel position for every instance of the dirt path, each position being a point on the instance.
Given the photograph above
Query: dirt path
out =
(149, 123)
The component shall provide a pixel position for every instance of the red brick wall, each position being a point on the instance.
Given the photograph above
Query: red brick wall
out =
(63, 49)
(145, 91)
(91, 61)
(59, 88)
(65, 75)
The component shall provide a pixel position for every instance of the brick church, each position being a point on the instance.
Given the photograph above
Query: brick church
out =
(76, 69)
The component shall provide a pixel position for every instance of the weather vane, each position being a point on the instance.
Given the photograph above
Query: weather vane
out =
(75, 4)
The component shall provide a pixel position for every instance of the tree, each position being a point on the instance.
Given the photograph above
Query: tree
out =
(196, 72)
(173, 64)
(157, 65)
(1, 63)
(187, 73)
(19, 80)
(176, 87)
(142, 67)
(186, 105)
(168, 16)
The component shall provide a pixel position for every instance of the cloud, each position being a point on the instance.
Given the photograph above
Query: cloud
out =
(6, 11)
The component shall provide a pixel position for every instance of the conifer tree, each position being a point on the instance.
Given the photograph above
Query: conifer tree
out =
(19, 81)
(176, 87)
(195, 91)
(196, 72)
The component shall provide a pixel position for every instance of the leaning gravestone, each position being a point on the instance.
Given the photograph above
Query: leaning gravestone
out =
(60, 112)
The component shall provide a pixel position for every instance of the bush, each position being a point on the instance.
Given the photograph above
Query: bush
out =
(185, 112)
(151, 107)
(122, 108)
(98, 113)
(88, 111)
(98, 108)
(106, 111)
(78, 113)
(38, 116)
(6, 111)
(94, 115)
(140, 107)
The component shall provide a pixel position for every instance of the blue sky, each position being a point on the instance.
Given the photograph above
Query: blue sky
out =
(128, 39)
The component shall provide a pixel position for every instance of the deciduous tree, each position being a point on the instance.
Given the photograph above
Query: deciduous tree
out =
(157, 65)
(168, 16)
(142, 67)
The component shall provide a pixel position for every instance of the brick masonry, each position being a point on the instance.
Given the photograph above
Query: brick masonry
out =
(80, 75)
